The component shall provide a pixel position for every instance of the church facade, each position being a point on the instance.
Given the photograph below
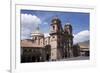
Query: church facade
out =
(57, 46)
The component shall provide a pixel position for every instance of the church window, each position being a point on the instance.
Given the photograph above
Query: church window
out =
(53, 37)
(35, 38)
(53, 27)
(46, 42)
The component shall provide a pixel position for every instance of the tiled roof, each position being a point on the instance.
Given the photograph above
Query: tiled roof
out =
(29, 43)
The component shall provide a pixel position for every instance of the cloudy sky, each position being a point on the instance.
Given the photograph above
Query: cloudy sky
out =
(32, 18)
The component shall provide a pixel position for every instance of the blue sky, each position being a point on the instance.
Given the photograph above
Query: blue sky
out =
(78, 20)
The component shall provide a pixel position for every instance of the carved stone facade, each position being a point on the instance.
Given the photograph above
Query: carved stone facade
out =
(61, 40)
(57, 46)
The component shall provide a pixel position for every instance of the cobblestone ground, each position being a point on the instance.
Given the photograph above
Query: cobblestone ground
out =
(76, 58)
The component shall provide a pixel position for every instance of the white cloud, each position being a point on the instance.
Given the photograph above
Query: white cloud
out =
(28, 19)
(25, 33)
(45, 23)
(46, 34)
(81, 36)
(28, 23)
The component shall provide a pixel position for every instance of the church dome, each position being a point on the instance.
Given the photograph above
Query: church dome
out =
(37, 32)
(68, 25)
(56, 20)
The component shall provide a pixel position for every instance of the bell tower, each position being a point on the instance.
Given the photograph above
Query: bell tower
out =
(56, 38)
(68, 36)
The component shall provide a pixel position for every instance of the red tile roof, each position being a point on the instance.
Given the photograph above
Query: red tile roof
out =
(29, 43)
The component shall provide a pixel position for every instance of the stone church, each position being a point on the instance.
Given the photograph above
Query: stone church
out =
(57, 46)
